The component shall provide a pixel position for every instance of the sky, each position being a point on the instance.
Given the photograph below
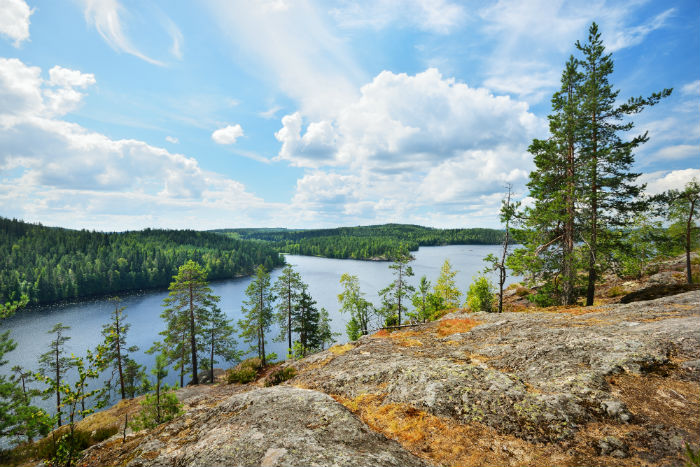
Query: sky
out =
(121, 114)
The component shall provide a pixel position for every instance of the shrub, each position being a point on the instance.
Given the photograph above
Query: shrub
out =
(392, 320)
(521, 291)
(480, 295)
(241, 375)
(103, 433)
(170, 408)
(280, 376)
(252, 363)
(616, 291)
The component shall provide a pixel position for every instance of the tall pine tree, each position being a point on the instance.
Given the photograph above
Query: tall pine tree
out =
(609, 200)
(258, 314)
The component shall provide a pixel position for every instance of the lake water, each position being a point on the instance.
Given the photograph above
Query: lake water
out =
(29, 327)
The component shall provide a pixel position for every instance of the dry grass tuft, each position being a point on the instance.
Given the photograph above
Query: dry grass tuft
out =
(453, 326)
(341, 349)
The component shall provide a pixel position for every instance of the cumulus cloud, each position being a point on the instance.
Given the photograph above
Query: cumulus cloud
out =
(54, 169)
(410, 142)
(664, 180)
(228, 134)
(14, 20)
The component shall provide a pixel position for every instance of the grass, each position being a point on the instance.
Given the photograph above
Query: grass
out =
(341, 349)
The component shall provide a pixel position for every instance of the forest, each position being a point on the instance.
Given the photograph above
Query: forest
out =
(365, 242)
(49, 264)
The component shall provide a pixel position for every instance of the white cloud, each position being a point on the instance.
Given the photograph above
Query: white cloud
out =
(677, 152)
(177, 39)
(410, 142)
(692, 89)
(292, 47)
(172, 139)
(57, 171)
(14, 20)
(438, 16)
(227, 135)
(271, 112)
(105, 16)
(545, 31)
(664, 180)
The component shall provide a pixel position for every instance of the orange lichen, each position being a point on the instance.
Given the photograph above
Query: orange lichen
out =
(456, 325)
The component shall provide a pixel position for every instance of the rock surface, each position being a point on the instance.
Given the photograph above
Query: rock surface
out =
(606, 385)
(267, 426)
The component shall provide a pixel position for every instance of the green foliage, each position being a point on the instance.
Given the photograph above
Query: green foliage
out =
(480, 295)
(257, 312)
(156, 409)
(287, 288)
(188, 309)
(117, 355)
(545, 295)
(241, 376)
(692, 456)
(352, 302)
(280, 376)
(49, 264)
(368, 242)
(305, 323)
(52, 367)
(219, 333)
(395, 295)
(326, 336)
(446, 288)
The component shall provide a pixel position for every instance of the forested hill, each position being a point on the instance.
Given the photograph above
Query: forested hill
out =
(50, 264)
(364, 242)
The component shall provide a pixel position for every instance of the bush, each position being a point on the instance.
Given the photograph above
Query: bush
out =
(616, 291)
(241, 376)
(103, 433)
(280, 376)
(544, 296)
(392, 320)
(251, 363)
(480, 295)
(147, 418)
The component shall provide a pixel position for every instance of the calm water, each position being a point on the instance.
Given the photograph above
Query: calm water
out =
(29, 328)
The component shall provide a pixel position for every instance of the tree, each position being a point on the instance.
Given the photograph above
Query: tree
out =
(162, 405)
(53, 364)
(135, 379)
(352, 301)
(610, 189)
(219, 334)
(480, 295)
(287, 288)
(114, 334)
(445, 287)
(394, 294)
(17, 416)
(420, 300)
(508, 210)
(258, 314)
(682, 206)
(74, 396)
(186, 310)
(325, 333)
(306, 321)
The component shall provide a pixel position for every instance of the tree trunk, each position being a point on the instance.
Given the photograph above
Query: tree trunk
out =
(211, 359)
(688, 228)
(193, 342)
(567, 266)
(594, 217)
(119, 357)
(289, 316)
(58, 383)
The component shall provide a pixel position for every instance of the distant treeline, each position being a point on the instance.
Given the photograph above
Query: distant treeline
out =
(366, 242)
(50, 264)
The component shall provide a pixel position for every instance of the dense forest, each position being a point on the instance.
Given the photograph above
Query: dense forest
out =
(365, 242)
(50, 264)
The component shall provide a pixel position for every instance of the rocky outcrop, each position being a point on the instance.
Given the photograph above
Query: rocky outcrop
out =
(267, 426)
(607, 385)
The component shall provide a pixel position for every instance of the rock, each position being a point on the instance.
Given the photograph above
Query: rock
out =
(281, 425)
(658, 291)
(616, 409)
(611, 446)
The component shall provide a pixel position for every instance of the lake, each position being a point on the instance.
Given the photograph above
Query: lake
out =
(29, 327)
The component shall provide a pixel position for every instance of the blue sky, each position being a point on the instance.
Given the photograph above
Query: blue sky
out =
(128, 114)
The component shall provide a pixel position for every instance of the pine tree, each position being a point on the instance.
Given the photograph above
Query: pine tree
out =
(287, 289)
(395, 294)
(53, 365)
(220, 341)
(446, 288)
(420, 300)
(325, 333)
(186, 312)
(681, 206)
(508, 209)
(258, 314)
(609, 200)
(114, 334)
(306, 320)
